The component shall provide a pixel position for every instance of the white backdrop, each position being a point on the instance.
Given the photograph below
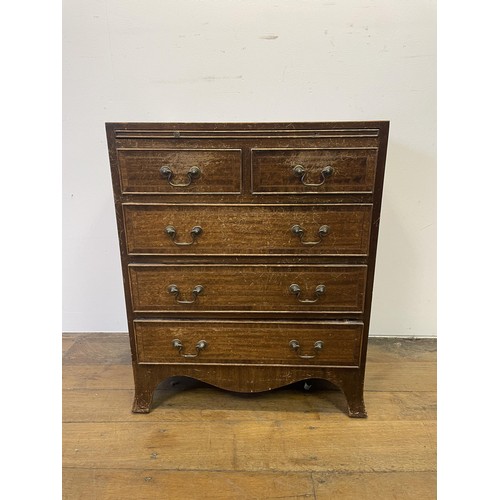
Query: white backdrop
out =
(244, 60)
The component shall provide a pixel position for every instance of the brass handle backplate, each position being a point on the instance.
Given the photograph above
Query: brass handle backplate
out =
(296, 290)
(177, 344)
(295, 346)
(300, 232)
(300, 172)
(172, 233)
(174, 290)
(192, 174)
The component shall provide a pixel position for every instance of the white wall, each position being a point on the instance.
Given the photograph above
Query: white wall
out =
(243, 60)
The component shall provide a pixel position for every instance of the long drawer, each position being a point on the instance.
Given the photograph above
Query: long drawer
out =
(248, 342)
(175, 229)
(247, 288)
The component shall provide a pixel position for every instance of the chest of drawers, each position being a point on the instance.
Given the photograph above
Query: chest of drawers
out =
(248, 251)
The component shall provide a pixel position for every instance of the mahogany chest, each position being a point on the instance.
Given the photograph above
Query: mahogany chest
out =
(248, 251)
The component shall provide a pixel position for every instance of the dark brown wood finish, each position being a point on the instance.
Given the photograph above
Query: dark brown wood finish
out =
(242, 342)
(247, 288)
(246, 199)
(219, 170)
(247, 229)
(352, 170)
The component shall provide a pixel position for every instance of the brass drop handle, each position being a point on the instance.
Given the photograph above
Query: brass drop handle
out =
(177, 344)
(174, 290)
(295, 346)
(300, 172)
(192, 174)
(172, 233)
(295, 290)
(300, 232)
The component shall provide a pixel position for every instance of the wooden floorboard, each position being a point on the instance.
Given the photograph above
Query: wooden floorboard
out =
(99, 349)
(280, 445)
(416, 376)
(134, 484)
(67, 342)
(395, 377)
(97, 377)
(201, 442)
(198, 403)
(375, 486)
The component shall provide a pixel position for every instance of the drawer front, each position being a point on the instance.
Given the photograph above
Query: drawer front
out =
(247, 342)
(325, 170)
(247, 288)
(180, 171)
(170, 229)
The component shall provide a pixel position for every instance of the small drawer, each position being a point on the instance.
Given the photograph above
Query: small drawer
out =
(325, 170)
(248, 342)
(175, 229)
(179, 171)
(199, 288)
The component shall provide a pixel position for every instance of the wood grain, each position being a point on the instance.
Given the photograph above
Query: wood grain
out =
(201, 442)
(247, 230)
(255, 342)
(353, 170)
(376, 486)
(257, 288)
(110, 484)
(356, 446)
(114, 348)
(397, 350)
(335, 220)
(66, 342)
(220, 170)
(417, 376)
(99, 349)
(113, 484)
(97, 377)
(190, 400)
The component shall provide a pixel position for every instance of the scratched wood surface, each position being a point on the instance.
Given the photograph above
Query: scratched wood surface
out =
(219, 170)
(309, 191)
(201, 442)
(255, 230)
(352, 170)
(249, 342)
(257, 288)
